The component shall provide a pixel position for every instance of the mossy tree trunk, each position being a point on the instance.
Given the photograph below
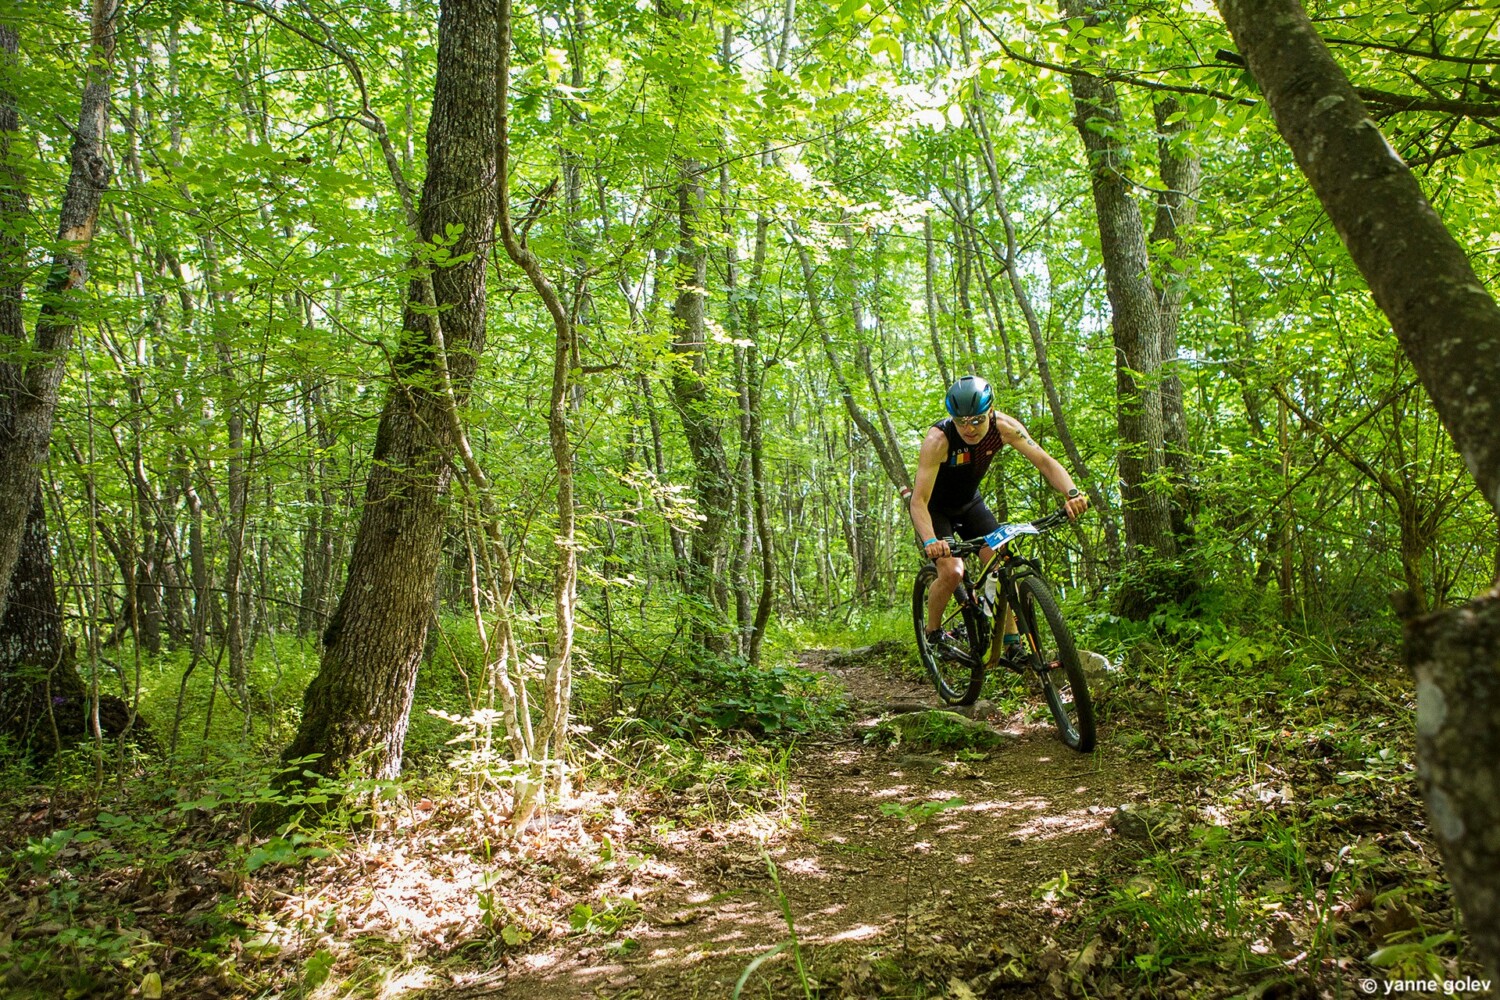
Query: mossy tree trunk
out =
(356, 709)
(1136, 323)
(1449, 327)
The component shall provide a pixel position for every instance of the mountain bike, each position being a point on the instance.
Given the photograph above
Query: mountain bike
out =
(971, 644)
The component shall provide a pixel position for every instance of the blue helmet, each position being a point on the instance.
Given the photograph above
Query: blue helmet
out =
(969, 397)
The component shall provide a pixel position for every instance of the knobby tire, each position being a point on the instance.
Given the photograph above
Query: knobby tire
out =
(957, 681)
(1055, 660)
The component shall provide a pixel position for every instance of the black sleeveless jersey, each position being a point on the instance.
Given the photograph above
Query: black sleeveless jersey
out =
(958, 478)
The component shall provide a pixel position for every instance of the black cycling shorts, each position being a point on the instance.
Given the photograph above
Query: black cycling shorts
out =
(969, 522)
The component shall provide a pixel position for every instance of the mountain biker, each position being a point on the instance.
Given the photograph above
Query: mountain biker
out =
(955, 455)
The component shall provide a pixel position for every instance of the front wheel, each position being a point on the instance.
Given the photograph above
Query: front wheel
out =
(1054, 658)
(956, 664)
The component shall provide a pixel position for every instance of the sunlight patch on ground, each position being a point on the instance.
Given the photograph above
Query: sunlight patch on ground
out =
(410, 981)
(859, 932)
(1032, 805)
(1073, 821)
(895, 791)
(802, 866)
(761, 826)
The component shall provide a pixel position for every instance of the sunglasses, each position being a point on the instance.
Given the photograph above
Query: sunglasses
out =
(978, 421)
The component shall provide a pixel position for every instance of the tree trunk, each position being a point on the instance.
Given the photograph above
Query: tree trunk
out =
(1136, 323)
(1450, 329)
(317, 528)
(930, 284)
(713, 486)
(356, 709)
(43, 702)
(1176, 211)
(557, 684)
(30, 387)
(1097, 497)
(885, 449)
(762, 506)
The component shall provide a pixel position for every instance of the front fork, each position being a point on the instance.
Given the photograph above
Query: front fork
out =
(997, 641)
(1002, 605)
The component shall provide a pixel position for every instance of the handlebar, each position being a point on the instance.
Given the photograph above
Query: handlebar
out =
(962, 547)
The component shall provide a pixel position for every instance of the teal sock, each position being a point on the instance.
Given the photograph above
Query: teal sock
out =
(1012, 638)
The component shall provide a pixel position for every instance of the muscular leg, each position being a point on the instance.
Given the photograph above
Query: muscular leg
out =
(950, 572)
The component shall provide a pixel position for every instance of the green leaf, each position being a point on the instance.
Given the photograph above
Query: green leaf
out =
(315, 972)
(757, 963)
(888, 45)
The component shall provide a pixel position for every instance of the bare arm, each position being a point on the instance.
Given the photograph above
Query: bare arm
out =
(1013, 434)
(933, 454)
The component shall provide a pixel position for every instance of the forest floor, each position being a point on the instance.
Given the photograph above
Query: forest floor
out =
(1246, 829)
(893, 864)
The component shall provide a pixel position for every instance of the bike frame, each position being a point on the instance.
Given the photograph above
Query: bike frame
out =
(1020, 587)
(1007, 568)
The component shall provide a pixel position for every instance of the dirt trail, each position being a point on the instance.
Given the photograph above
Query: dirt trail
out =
(959, 890)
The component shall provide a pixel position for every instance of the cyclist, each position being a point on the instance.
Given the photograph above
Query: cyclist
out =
(955, 455)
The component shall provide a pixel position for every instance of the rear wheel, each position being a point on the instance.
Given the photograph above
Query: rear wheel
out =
(956, 665)
(1054, 658)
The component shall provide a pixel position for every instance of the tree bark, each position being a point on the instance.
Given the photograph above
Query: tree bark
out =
(44, 704)
(557, 684)
(713, 486)
(930, 286)
(1136, 323)
(1449, 327)
(761, 504)
(356, 709)
(30, 387)
(885, 449)
(744, 492)
(317, 529)
(1447, 323)
(1176, 211)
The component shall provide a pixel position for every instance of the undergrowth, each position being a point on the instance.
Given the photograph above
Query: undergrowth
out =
(1289, 840)
(153, 883)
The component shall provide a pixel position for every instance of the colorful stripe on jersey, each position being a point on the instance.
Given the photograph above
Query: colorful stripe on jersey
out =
(957, 482)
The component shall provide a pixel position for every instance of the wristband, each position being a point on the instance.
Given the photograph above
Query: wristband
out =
(928, 542)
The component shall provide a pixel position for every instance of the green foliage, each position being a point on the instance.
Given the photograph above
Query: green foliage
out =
(252, 267)
(933, 729)
(172, 836)
(172, 683)
(1415, 959)
(857, 626)
(607, 919)
(711, 778)
(450, 684)
(695, 694)
(1295, 744)
(776, 700)
(918, 814)
(1205, 903)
